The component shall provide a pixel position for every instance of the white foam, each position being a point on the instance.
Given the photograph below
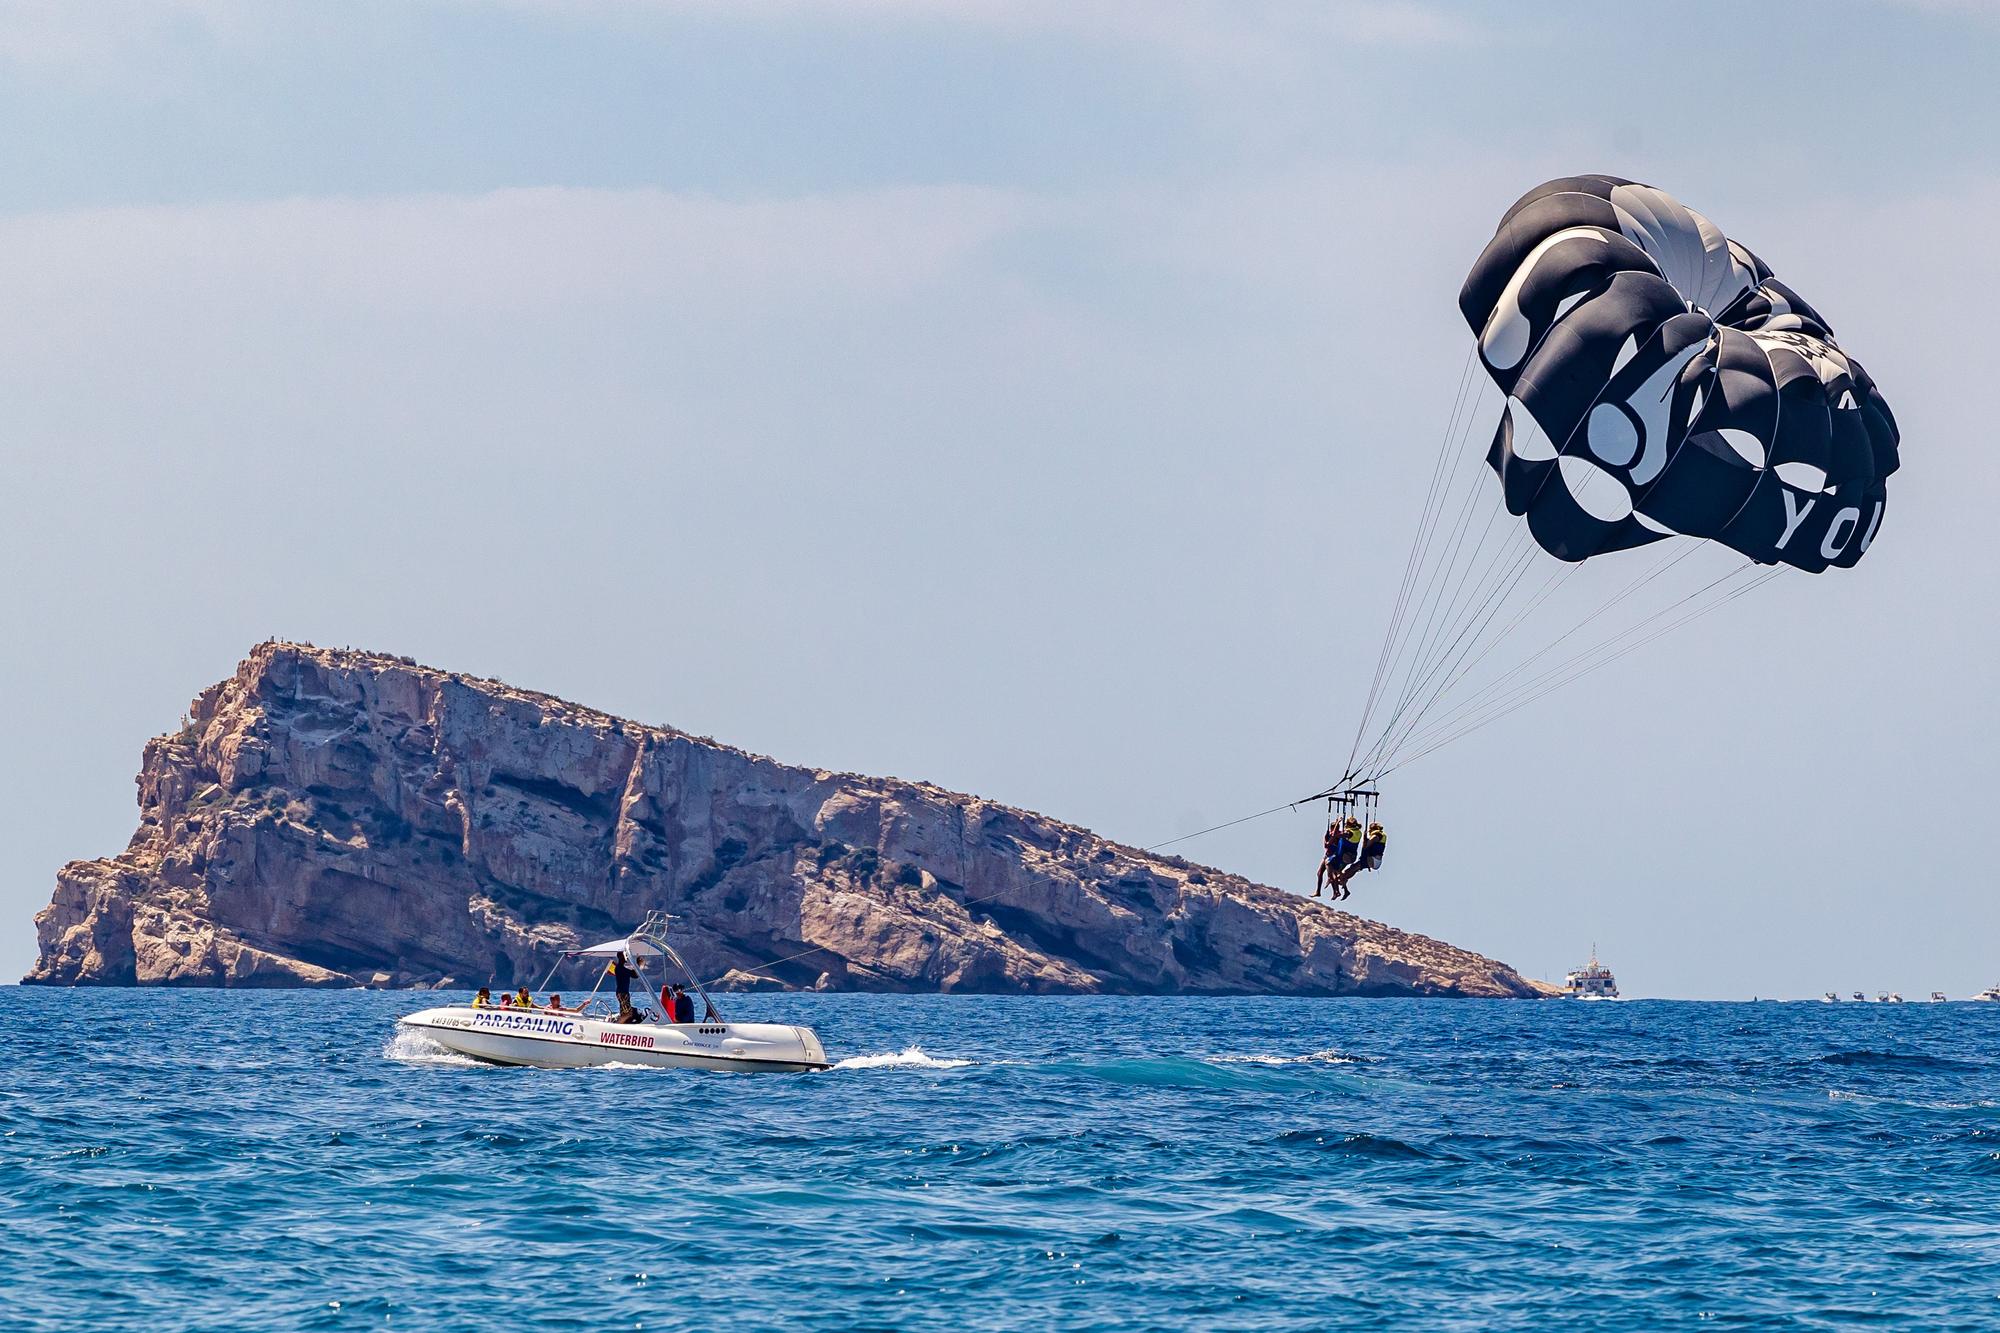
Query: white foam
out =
(911, 1057)
(414, 1048)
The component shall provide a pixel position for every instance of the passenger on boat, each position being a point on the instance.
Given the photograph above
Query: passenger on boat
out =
(683, 1006)
(524, 1000)
(555, 1005)
(626, 1013)
(483, 1000)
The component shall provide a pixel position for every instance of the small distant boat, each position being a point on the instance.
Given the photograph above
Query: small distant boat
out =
(1592, 981)
(576, 1037)
(1889, 997)
(1990, 993)
(1859, 996)
(1830, 998)
(1937, 997)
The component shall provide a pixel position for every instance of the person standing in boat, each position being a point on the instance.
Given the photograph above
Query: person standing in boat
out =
(621, 979)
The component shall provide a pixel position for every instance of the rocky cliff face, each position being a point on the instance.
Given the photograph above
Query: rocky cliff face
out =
(333, 818)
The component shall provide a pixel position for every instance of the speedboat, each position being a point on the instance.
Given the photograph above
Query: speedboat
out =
(1990, 993)
(595, 1034)
(1830, 998)
(1937, 997)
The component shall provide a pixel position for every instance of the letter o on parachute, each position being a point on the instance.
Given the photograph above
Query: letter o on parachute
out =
(1661, 382)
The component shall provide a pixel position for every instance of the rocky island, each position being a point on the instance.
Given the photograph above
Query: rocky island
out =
(339, 818)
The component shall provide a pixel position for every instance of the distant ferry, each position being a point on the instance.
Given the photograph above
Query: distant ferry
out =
(1592, 981)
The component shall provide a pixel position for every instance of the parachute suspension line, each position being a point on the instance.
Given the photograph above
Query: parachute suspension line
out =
(1436, 532)
(1566, 672)
(1504, 697)
(1467, 638)
(1454, 653)
(1405, 664)
(1486, 691)
(1439, 470)
(1508, 561)
(1758, 582)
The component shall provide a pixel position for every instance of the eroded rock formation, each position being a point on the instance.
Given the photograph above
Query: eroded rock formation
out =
(336, 818)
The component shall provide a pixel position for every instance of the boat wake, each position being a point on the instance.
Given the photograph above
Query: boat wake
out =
(911, 1057)
(414, 1048)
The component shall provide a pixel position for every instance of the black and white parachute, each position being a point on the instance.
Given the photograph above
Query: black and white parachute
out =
(1660, 382)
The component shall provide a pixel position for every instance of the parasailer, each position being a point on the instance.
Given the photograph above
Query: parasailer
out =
(1331, 856)
(1373, 845)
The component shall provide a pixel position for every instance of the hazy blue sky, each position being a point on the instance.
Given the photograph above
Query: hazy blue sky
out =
(1032, 398)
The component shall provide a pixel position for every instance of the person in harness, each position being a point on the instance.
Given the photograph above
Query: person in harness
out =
(1329, 861)
(1343, 846)
(1373, 844)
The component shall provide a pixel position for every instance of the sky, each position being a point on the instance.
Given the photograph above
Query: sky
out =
(1033, 398)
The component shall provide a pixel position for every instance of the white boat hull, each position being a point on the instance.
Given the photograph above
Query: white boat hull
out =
(548, 1040)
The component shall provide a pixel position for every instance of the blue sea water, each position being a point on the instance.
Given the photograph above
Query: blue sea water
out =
(219, 1160)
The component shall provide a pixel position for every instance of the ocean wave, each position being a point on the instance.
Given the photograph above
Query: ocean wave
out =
(1326, 1057)
(1898, 1060)
(1356, 1144)
(910, 1057)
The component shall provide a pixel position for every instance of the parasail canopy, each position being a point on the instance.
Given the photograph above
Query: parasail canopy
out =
(1661, 382)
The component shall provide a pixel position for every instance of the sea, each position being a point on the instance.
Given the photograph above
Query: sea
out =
(246, 1161)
